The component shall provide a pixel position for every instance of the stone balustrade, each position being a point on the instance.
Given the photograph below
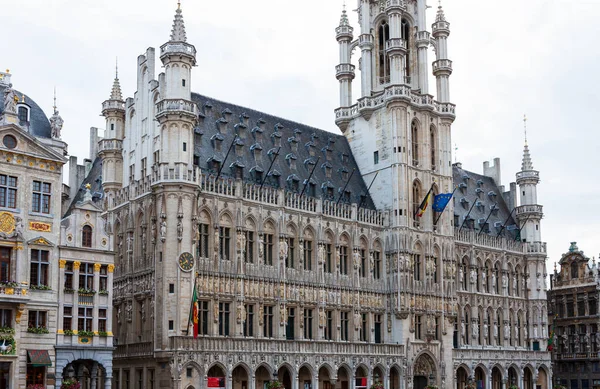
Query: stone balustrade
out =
(110, 145)
(176, 106)
(211, 344)
(500, 243)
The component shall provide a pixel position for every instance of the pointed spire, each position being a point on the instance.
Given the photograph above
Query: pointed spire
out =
(527, 164)
(116, 94)
(178, 31)
(344, 19)
(440, 17)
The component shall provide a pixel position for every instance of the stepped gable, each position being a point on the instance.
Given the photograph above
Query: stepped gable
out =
(260, 135)
(481, 188)
(39, 125)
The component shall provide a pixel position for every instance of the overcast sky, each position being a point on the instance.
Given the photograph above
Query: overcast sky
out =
(538, 57)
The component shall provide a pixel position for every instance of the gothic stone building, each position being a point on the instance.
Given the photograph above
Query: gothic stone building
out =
(573, 307)
(302, 245)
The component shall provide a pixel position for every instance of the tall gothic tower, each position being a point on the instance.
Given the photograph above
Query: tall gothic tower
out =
(400, 138)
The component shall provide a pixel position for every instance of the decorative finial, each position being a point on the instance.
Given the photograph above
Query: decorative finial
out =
(116, 67)
(54, 106)
(178, 4)
(8, 71)
(525, 127)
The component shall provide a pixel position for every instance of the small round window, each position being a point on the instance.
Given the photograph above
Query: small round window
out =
(9, 141)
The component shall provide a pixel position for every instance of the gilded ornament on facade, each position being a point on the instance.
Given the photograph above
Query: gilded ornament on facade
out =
(62, 263)
(7, 223)
(76, 265)
(39, 226)
(97, 267)
(111, 268)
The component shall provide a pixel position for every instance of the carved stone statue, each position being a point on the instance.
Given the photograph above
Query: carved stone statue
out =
(357, 321)
(143, 311)
(321, 255)
(495, 331)
(516, 331)
(461, 275)
(473, 276)
(372, 262)
(130, 243)
(119, 313)
(163, 230)
(301, 251)
(216, 244)
(475, 330)
(463, 330)
(283, 250)
(535, 332)
(19, 228)
(525, 332)
(179, 230)
(129, 312)
(485, 330)
(261, 248)
(504, 281)
(322, 318)
(153, 232)
(241, 313)
(10, 101)
(493, 281)
(56, 124)
(356, 257)
(506, 331)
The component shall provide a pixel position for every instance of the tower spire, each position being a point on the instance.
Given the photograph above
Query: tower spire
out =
(115, 93)
(527, 164)
(344, 18)
(440, 17)
(178, 31)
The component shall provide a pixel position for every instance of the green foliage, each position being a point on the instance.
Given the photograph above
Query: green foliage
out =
(87, 334)
(38, 330)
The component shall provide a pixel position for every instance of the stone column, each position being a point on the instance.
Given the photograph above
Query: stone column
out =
(252, 382)
(228, 381)
(315, 380)
(96, 298)
(75, 315)
(295, 382)
(94, 375)
(109, 310)
(61, 297)
(386, 379)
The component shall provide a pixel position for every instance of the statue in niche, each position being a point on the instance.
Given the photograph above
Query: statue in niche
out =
(473, 276)
(283, 250)
(10, 101)
(163, 230)
(153, 232)
(179, 230)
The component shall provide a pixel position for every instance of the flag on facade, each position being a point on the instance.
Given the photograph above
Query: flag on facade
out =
(441, 201)
(551, 338)
(424, 204)
(194, 312)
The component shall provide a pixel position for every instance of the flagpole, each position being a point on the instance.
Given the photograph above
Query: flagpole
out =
(441, 213)
(191, 306)
(507, 219)
(423, 202)
(488, 218)
(463, 222)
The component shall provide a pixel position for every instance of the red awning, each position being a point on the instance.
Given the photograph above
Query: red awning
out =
(38, 358)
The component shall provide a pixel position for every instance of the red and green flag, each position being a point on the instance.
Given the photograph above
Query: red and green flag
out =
(194, 312)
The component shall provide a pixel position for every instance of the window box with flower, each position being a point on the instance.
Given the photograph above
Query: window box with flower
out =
(103, 293)
(7, 345)
(38, 330)
(89, 292)
(7, 330)
(431, 387)
(69, 332)
(102, 334)
(69, 290)
(70, 383)
(9, 284)
(513, 386)
(40, 287)
(87, 334)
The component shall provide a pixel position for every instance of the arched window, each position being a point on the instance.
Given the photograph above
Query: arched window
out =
(406, 37)
(467, 325)
(465, 273)
(383, 62)
(488, 334)
(574, 270)
(417, 263)
(433, 147)
(86, 236)
(414, 130)
(417, 197)
(496, 279)
(23, 113)
(498, 331)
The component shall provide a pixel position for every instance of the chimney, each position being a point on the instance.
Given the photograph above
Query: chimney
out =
(493, 171)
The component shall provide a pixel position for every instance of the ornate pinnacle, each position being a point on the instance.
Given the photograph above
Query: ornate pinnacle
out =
(178, 31)
(116, 94)
(440, 17)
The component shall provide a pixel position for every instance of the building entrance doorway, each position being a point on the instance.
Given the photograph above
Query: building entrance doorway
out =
(5, 375)
(420, 382)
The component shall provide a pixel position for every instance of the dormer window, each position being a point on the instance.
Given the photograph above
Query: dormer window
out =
(312, 189)
(345, 158)
(23, 114)
(218, 145)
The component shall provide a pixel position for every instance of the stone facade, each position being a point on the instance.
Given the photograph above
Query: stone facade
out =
(30, 214)
(302, 274)
(573, 312)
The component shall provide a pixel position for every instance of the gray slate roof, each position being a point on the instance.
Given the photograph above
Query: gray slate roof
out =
(473, 187)
(260, 136)
(94, 178)
(39, 125)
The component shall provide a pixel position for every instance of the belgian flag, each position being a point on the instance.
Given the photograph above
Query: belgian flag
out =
(424, 203)
(194, 312)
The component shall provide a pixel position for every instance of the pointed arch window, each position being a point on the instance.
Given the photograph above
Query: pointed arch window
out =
(86, 236)
(433, 147)
(414, 130)
(416, 201)
(406, 37)
(383, 60)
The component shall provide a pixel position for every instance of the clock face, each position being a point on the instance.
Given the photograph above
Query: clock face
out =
(186, 261)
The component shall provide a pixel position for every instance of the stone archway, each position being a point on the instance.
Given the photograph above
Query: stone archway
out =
(304, 378)
(284, 375)
(261, 376)
(480, 378)
(542, 380)
(395, 378)
(379, 375)
(216, 377)
(343, 377)
(362, 374)
(513, 377)
(496, 378)
(86, 371)
(527, 378)
(239, 378)
(462, 378)
(325, 380)
(424, 372)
